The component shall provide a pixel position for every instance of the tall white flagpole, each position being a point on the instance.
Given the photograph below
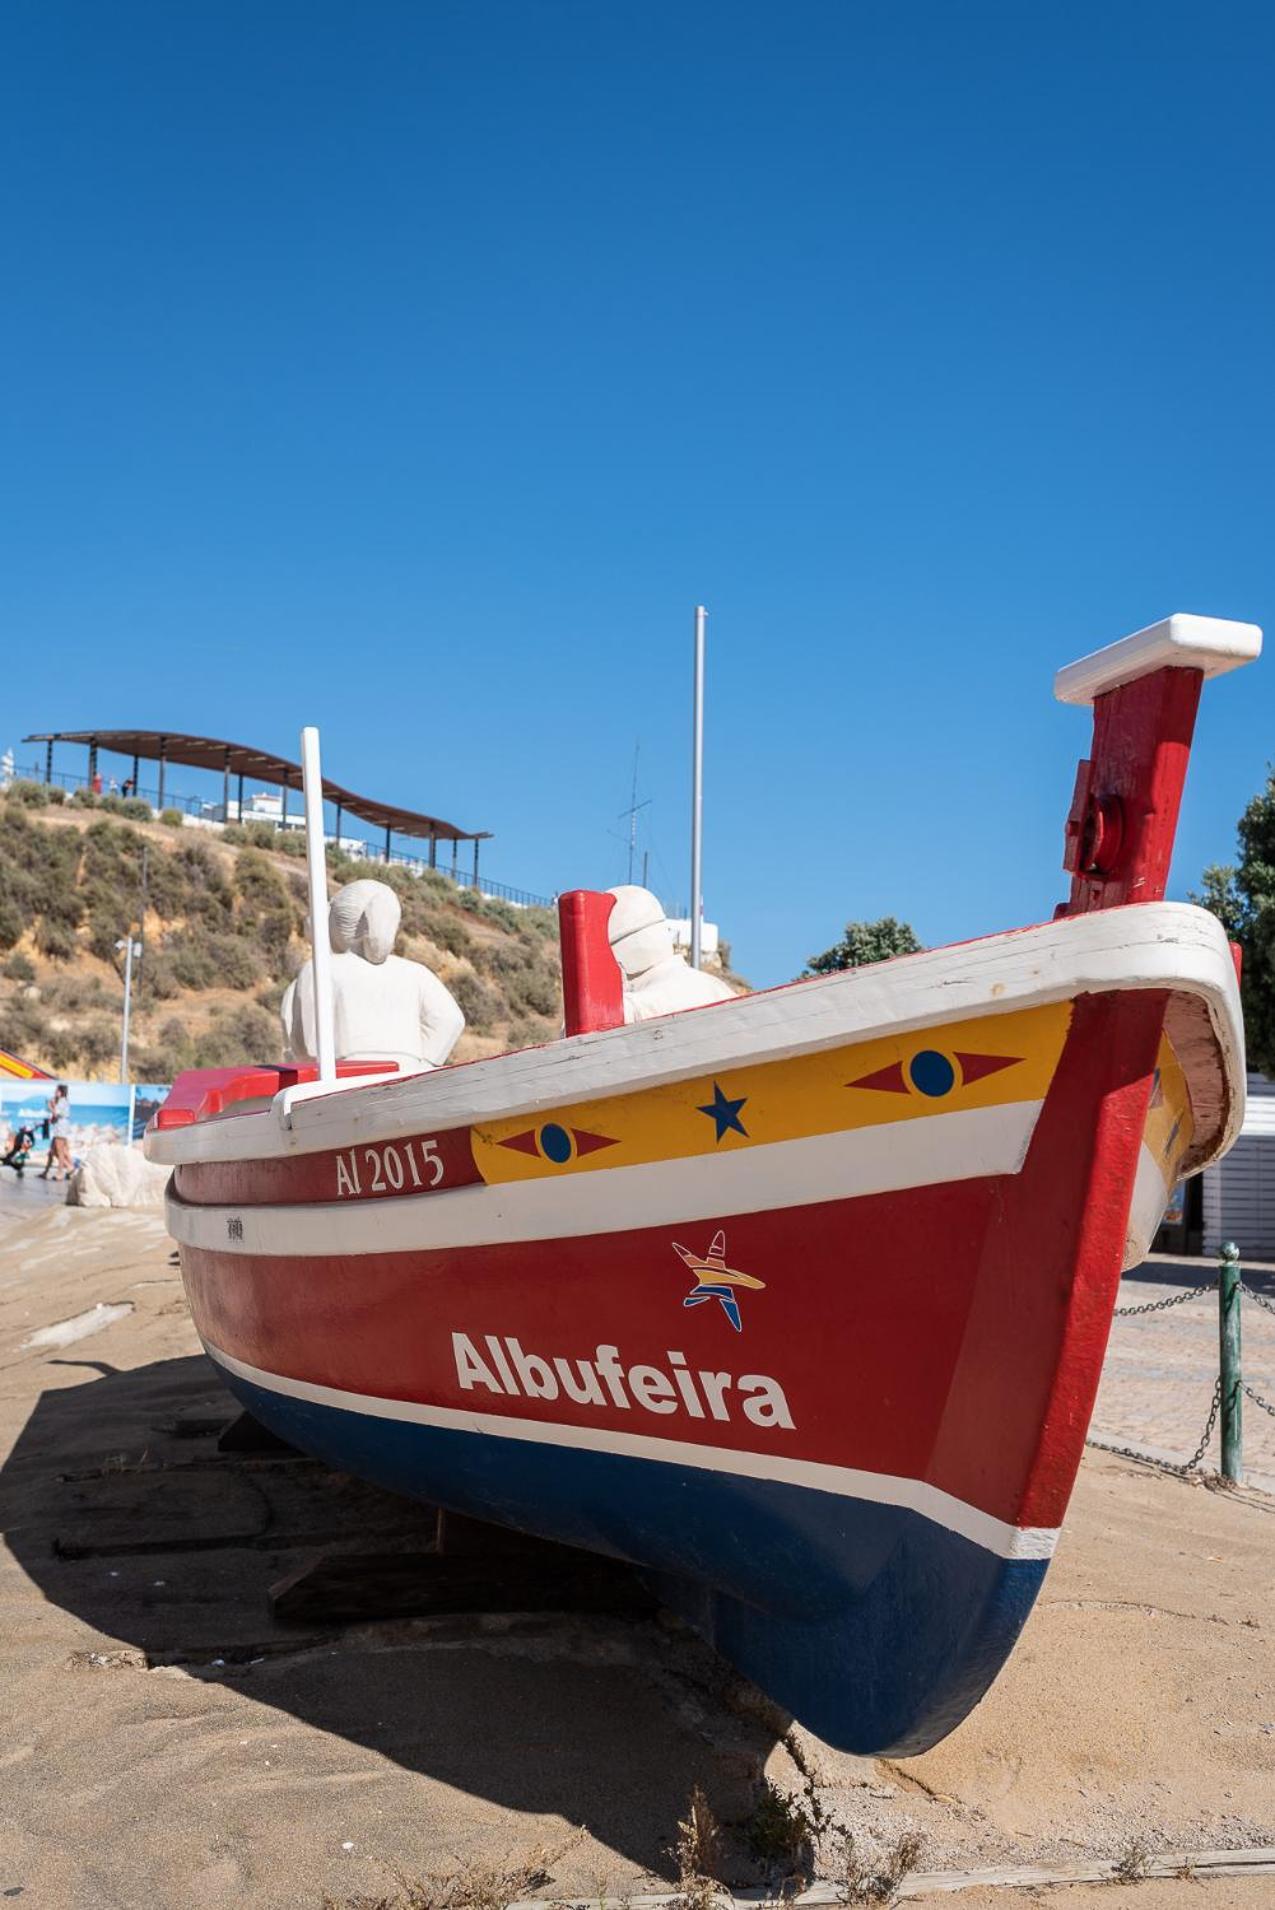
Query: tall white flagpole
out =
(697, 790)
(317, 868)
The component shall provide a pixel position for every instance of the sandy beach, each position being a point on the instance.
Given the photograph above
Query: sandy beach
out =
(167, 1743)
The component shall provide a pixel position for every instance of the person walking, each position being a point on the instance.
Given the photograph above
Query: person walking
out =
(59, 1155)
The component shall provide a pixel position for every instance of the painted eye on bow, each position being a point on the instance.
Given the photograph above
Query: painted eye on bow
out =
(932, 1073)
(557, 1144)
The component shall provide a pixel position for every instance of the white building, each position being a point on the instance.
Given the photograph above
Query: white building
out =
(1238, 1193)
(708, 937)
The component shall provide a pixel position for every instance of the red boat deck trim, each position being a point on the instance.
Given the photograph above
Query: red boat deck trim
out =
(1006, 1540)
(205, 1094)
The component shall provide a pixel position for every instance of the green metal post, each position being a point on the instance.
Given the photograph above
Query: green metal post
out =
(1229, 1288)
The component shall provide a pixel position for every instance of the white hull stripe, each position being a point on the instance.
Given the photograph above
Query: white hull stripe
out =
(1150, 1198)
(913, 1495)
(875, 1160)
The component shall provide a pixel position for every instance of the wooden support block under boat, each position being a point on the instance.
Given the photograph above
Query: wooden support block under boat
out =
(532, 1575)
(246, 1434)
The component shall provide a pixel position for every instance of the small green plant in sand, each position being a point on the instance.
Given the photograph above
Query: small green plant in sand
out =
(1132, 1864)
(862, 1879)
(780, 1834)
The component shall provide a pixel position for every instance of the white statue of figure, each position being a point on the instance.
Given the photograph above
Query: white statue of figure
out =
(386, 1008)
(657, 980)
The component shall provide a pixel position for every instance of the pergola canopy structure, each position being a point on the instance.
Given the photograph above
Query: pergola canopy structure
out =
(237, 759)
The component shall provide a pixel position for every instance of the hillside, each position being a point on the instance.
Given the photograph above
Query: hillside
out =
(224, 932)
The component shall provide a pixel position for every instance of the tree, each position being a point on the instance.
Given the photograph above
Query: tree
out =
(1243, 899)
(865, 942)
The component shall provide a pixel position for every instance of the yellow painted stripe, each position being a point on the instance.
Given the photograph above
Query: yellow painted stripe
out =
(1169, 1130)
(785, 1100)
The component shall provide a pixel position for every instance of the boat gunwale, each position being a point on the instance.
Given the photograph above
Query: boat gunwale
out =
(1172, 946)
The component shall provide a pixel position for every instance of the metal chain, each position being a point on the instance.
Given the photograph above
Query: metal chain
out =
(1167, 1465)
(1215, 1407)
(1161, 1306)
(1207, 1434)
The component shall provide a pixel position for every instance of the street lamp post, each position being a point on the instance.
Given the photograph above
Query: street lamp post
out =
(131, 948)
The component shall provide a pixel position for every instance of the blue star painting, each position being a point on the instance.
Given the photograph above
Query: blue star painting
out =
(724, 1112)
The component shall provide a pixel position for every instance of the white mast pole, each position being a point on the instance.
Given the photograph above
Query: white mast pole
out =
(317, 867)
(697, 789)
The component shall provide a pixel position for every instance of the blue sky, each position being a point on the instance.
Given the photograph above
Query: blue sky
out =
(413, 369)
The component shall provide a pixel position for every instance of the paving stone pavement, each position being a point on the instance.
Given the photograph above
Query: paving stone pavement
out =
(1158, 1378)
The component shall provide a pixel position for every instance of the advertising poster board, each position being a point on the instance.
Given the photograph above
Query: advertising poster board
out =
(148, 1096)
(100, 1112)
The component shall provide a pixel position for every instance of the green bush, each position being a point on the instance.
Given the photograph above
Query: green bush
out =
(76, 994)
(132, 808)
(152, 1061)
(526, 974)
(443, 927)
(105, 929)
(19, 968)
(479, 1004)
(12, 926)
(61, 1049)
(265, 906)
(97, 1043)
(156, 980)
(38, 869)
(28, 795)
(251, 835)
(192, 966)
(54, 939)
(85, 799)
(242, 1034)
(541, 923)
(23, 1026)
(172, 818)
(531, 1031)
(235, 961)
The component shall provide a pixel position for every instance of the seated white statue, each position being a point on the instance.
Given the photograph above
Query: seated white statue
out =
(657, 980)
(386, 1008)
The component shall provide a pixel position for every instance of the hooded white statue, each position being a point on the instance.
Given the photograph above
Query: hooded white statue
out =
(656, 978)
(386, 1008)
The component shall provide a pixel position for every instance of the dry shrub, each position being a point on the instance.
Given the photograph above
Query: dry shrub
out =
(863, 1879)
(477, 1886)
(698, 1851)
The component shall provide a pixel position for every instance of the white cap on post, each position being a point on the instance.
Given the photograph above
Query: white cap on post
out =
(1209, 644)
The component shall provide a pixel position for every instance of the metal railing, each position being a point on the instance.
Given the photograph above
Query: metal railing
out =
(1230, 1389)
(209, 812)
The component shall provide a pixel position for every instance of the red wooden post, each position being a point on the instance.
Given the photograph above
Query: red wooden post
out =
(592, 985)
(1145, 691)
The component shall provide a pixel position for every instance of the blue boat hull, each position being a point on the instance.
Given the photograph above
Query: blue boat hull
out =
(875, 1626)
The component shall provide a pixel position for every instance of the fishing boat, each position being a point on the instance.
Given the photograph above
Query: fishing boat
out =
(799, 1301)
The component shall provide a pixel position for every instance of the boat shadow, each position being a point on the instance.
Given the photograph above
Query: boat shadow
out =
(123, 1512)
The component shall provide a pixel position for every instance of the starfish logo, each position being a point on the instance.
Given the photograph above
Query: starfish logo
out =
(714, 1280)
